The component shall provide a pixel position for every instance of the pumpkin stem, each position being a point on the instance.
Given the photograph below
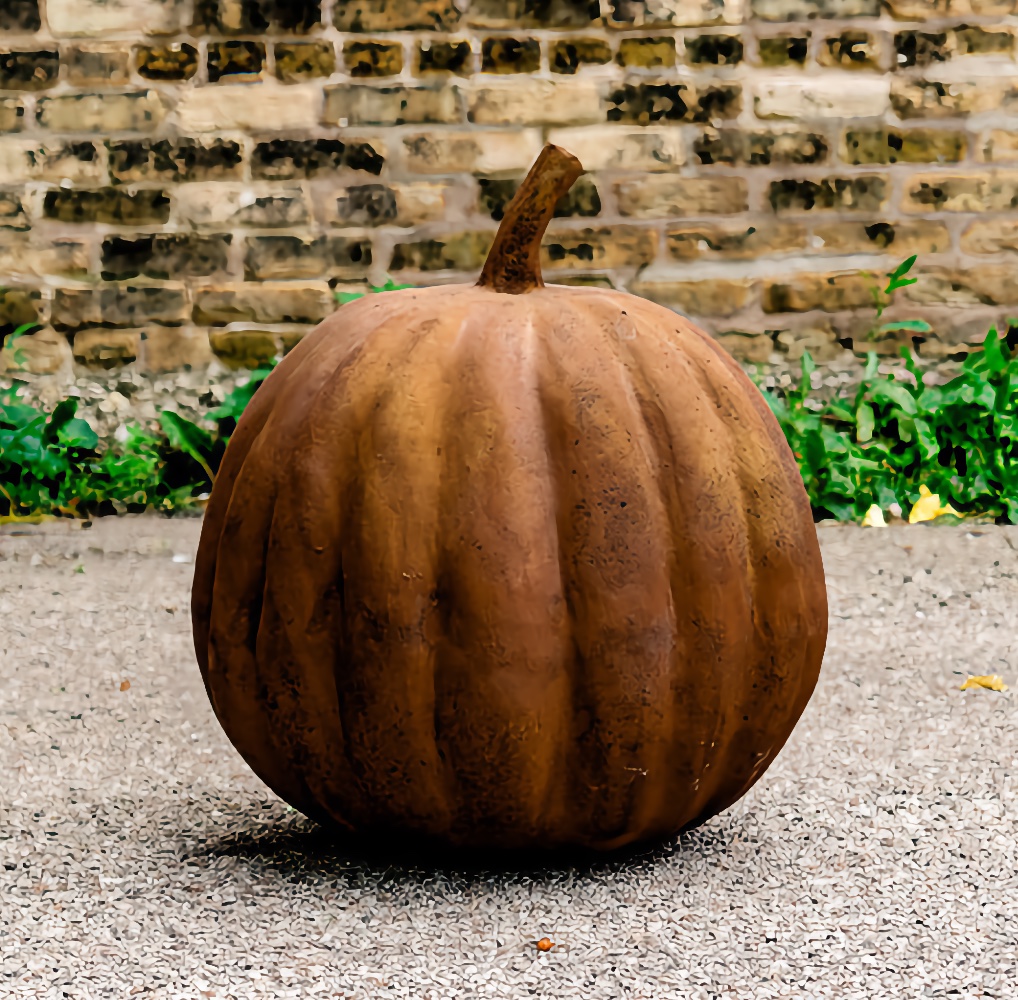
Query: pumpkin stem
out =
(514, 262)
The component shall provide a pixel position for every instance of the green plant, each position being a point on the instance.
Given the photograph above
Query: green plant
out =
(390, 286)
(884, 298)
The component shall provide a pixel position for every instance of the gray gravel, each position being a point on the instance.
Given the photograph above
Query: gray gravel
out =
(877, 857)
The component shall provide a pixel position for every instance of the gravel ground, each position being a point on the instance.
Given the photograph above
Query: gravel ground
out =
(876, 858)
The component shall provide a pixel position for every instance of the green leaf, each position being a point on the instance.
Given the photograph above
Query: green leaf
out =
(188, 438)
(864, 423)
(906, 326)
(995, 360)
(61, 416)
(77, 433)
(896, 278)
(344, 297)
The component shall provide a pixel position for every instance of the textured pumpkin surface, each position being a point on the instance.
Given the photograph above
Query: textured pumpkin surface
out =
(509, 570)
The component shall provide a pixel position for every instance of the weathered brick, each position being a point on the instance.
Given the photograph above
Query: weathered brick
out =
(734, 241)
(69, 18)
(274, 257)
(297, 62)
(584, 279)
(263, 302)
(783, 50)
(903, 238)
(249, 107)
(991, 236)
(390, 204)
(373, 58)
(851, 50)
(827, 96)
(173, 349)
(90, 64)
(106, 349)
(971, 40)
(444, 57)
(614, 147)
(813, 334)
(140, 111)
(921, 48)
(174, 160)
(998, 146)
(20, 15)
(43, 257)
(737, 146)
(12, 213)
(244, 348)
(178, 61)
(993, 191)
(34, 69)
(567, 55)
(534, 13)
(614, 247)
(44, 352)
(443, 152)
(803, 10)
(889, 145)
(464, 251)
(581, 200)
(220, 205)
(291, 159)
(165, 255)
(934, 10)
(866, 193)
(28, 159)
(510, 55)
(988, 284)
(534, 102)
(747, 346)
(19, 306)
(255, 17)
(647, 53)
(660, 195)
(359, 104)
(120, 305)
(237, 60)
(714, 50)
(665, 13)
(828, 292)
(936, 99)
(396, 15)
(642, 103)
(717, 297)
(12, 114)
(111, 205)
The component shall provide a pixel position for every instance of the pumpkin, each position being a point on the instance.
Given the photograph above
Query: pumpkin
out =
(509, 565)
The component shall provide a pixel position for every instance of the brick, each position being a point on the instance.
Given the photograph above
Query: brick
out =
(218, 205)
(749, 347)
(34, 69)
(734, 241)
(464, 251)
(581, 279)
(920, 48)
(45, 352)
(495, 194)
(866, 193)
(614, 147)
(119, 306)
(988, 284)
(69, 18)
(646, 53)
(174, 160)
(535, 102)
(444, 57)
(513, 14)
(249, 107)
(173, 349)
(606, 248)
(390, 204)
(803, 10)
(112, 205)
(12, 114)
(740, 147)
(902, 238)
(44, 257)
(165, 255)
(140, 111)
(255, 17)
(373, 58)
(665, 13)
(991, 236)
(274, 257)
(828, 292)
(934, 10)
(976, 41)
(994, 191)
(396, 15)
(888, 145)
(643, 103)
(236, 60)
(28, 159)
(660, 195)
(20, 15)
(106, 349)
(438, 152)
(244, 348)
(851, 50)
(263, 302)
(356, 104)
(178, 61)
(827, 96)
(998, 146)
(783, 50)
(297, 62)
(19, 306)
(715, 297)
(12, 212)
(510, 55)
(815, 335)
(567, 55)
(97, 63)
(714, 50)
(292, 159)
(935, 99)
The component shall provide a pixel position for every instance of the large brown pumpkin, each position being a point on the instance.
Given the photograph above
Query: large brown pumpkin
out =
(509, 565)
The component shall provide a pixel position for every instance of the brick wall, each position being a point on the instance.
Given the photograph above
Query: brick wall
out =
(186, 179)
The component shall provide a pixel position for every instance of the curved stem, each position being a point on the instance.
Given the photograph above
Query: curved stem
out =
(514, 262)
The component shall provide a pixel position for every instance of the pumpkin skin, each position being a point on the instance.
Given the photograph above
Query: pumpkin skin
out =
(509, 570)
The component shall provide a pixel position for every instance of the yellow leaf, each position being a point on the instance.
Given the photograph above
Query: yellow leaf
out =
(927, 507)
(994, 682)
(874, 517)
